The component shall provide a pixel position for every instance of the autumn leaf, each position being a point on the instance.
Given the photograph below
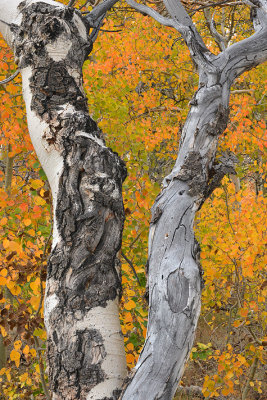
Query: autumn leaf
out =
(15, 356)
(130, 305)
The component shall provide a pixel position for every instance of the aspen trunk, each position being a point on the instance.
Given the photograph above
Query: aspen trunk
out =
(175, 275)
(85, 348)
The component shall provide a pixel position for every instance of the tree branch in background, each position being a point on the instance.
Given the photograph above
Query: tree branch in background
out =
(10, 78)
(131, 265)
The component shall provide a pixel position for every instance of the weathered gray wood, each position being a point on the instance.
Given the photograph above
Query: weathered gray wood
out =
(175, 275)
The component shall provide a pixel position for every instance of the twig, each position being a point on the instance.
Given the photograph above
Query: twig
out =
(135, 239)
(44, 386)
(254, 336)
(132, 266)
(225, 3)
(9, 170)
(10, 78)
(250, 377)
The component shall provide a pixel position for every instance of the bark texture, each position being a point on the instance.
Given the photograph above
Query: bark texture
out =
(85, 352)
(175, 275)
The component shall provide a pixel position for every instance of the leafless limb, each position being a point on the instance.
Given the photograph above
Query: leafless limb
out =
(100, 10)
(132, 266)
(71, 3)
(10, 78)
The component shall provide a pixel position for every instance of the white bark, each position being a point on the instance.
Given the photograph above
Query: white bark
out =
(86, 357)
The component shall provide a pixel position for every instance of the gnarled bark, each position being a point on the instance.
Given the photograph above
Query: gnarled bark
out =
(85, 348)
(175, 275)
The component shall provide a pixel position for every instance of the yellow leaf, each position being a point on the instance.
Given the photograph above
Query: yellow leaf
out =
(130, 358)
(24, 377)
(2, 281)
(14, 288)
(3, 221)
(26, 349)
(27, 222)
(130, 305)
(15, 246)
(129, 292)
(39, 201)
(29, 381)
(229, 375)
(130, 346)
(35, 301)
(6, 243)
(35, 286)
(17, 345)
(237, 323)
(3, 272)
(15, 356)
(33, 352)
(8, 375)
(37, 183)
(3, 331)
(128, 317)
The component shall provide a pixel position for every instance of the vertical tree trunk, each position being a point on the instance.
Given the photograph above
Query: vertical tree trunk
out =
(85, 348)
(175, 275)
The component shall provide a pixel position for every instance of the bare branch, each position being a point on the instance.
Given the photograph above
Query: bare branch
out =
(219, 39)
(71, 3)
(247, 53)
(100, 10)
(96, 30)
(178, 12)
(184, 25)
(131, 265)
(10, 78)
(97, 15)
(154, 14)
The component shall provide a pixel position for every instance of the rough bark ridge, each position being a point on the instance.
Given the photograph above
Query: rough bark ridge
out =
(82, 279)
